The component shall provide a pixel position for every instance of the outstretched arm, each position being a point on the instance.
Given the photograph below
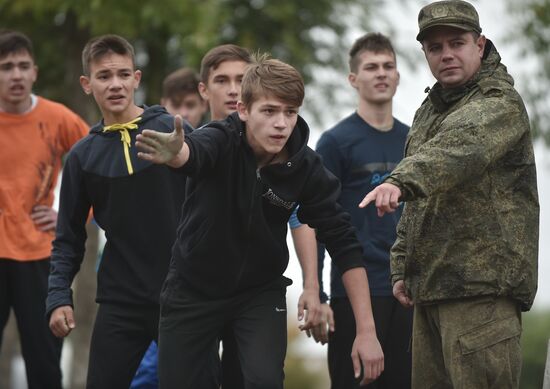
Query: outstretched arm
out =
(366, 352)
(160, 148)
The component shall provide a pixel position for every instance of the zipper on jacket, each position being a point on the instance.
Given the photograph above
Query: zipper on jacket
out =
(249, 225)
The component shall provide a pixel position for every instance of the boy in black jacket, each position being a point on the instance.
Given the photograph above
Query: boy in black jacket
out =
(246, 175)
(137, 204)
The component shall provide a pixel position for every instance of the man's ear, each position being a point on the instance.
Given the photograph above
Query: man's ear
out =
(203, 90)
(85, 84)
(480, 43)
(243, 112)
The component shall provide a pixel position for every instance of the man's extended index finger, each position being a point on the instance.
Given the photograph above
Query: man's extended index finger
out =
(368, 198)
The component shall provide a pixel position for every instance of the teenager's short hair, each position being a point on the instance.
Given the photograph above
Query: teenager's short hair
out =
(104, 44)
(14, 42)
(373, 41)
(214, 57)
(179, 84)
(266, 76)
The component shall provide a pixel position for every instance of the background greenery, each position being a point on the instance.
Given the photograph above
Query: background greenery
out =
(171, 33)
(532, 32)
(309, 34)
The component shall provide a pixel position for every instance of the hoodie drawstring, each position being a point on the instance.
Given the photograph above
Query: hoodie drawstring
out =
(125, 138)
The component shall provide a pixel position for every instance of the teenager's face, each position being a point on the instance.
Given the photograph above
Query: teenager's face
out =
(376, 77)
(269, 124)
(191, 107)
(112, 82)
(454, 55)
(223, 88)
(17, 75)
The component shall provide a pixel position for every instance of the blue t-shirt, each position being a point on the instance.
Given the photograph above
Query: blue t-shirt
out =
(362, 157)
(294, 222)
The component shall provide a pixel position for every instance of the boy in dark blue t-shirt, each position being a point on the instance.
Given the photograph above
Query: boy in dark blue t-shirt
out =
(361, 150)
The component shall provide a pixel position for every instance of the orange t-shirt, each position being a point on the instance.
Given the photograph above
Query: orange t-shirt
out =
(31, 147)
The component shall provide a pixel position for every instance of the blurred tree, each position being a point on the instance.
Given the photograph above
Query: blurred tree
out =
(532, 32)
(171, 33)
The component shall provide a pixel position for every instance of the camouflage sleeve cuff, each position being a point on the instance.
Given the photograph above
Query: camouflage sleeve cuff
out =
(397, 266)
(395, 278)
(393, 181)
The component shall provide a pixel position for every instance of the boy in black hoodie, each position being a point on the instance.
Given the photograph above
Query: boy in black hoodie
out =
(246, 174)
(137, 204)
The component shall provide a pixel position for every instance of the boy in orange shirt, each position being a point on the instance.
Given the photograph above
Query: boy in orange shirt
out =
(36, 132)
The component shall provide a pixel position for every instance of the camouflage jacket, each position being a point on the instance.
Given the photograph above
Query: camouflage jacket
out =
(471, 218)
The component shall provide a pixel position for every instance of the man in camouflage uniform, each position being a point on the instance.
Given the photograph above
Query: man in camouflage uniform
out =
(466, 252)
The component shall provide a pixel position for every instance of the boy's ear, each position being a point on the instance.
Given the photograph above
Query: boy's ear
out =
(203, 90)
(85, 84)
(137, 77)
(351, 79)
(243, 112)
(35, 75)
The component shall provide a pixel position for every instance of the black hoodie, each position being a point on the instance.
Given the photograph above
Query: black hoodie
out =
(232, 236)
(138, 212)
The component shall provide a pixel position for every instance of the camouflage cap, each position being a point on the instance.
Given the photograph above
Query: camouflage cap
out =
(452, 13)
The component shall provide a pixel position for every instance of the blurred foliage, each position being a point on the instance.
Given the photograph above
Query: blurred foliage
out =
(168, 34)
(532, 33)
(534, 341)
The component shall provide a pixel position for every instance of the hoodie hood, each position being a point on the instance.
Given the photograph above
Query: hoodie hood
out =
(149, 113)
(297, 143)
(113, 153)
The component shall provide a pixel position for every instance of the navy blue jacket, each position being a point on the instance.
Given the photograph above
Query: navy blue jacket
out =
(138, 212)
(232, 235)
(361, 157)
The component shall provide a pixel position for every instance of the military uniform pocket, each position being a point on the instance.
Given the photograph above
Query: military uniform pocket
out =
(489, 334)
(489, 356)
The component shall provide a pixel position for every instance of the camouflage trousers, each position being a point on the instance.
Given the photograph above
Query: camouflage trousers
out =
(470, 343)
